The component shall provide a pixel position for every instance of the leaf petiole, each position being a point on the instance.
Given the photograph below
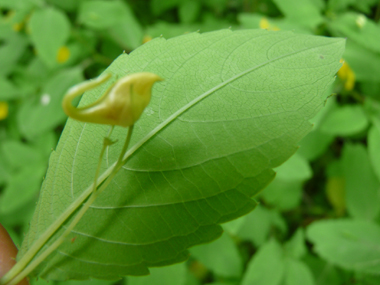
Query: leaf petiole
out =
(12, 278)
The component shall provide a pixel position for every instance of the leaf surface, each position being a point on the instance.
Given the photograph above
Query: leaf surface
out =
(361, 184)
(100, 14)
(345, 121)
(365, 34)
(221, 257)
(296, 272)
(267, 266)
(305, 13)
(175, 274)
(49, 30)
(36, 117)
(374, 149)
(351, 244)
(233, 105)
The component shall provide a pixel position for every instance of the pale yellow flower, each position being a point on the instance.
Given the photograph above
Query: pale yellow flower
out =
(63, 54)
(146, 39)
(265, 24)
(4, 109)
(17, 27)
(347, 75)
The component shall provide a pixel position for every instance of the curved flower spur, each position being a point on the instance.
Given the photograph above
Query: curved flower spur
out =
(121, 105)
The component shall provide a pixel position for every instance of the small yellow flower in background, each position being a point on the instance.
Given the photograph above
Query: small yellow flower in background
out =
(63, 54)
(3, 110)
(146, 39)
(15, 20)
(17, 27)
(347, 75)
(264, 24)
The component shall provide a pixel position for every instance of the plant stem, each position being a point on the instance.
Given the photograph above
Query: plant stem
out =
(24, 270)
(105, 145)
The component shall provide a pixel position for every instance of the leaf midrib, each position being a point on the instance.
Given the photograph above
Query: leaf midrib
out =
(192, 103)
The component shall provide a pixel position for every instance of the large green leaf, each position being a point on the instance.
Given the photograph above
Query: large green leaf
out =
(233, 105)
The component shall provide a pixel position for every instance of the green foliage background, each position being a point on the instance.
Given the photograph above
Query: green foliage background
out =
(318, 221)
